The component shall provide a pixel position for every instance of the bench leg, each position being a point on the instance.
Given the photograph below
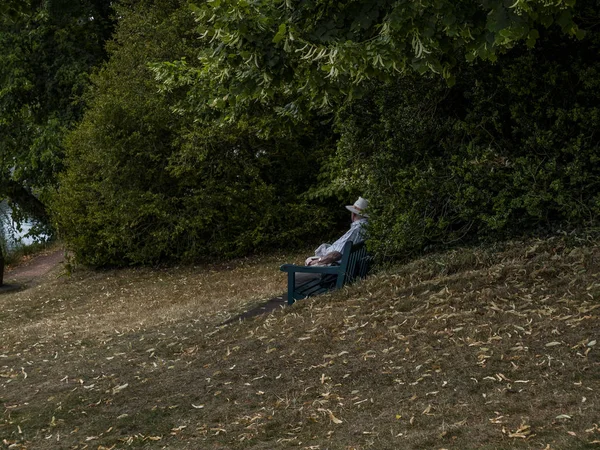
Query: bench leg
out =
(291, 287)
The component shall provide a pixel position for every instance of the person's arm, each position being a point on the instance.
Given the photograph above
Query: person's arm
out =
(327, 259)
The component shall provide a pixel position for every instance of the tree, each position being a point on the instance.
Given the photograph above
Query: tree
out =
(510, 149)
(47, 50)
(150, 180)
(297, 56)
(193, 147)
(430, 154)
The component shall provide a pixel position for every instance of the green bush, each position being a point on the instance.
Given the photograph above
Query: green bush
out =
(147, 181)
(511, 148)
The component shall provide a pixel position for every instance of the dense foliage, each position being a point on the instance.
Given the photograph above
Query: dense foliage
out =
(46, 51)
(150, 181)
(297, 55)
(511, 148)
(214, 126)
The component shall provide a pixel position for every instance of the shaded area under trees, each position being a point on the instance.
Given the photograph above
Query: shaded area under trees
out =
(226, 127)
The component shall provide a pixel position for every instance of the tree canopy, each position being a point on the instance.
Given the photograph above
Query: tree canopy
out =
(309, 55)
(151, 181)
(225, 127)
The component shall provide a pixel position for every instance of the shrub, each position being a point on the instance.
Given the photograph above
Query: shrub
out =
(511, 148)
(147, 181)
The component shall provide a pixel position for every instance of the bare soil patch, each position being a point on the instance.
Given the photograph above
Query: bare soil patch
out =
(476, 348)
(36, 266)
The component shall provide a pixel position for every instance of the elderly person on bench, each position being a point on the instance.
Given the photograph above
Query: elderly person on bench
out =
(327, 254)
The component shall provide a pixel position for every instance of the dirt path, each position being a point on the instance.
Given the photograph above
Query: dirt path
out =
(36, 267)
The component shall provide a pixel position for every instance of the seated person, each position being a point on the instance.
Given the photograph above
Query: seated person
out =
(327, 254)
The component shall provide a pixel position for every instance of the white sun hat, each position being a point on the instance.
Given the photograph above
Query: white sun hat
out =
(359, 207)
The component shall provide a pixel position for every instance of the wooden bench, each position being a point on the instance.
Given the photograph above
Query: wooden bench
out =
(355, 264)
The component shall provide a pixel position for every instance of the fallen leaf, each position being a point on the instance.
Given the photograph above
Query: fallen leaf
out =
(523, 432)
(119, 388)
(331, 416)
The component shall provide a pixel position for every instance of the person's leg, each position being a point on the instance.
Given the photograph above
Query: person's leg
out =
(302, 278)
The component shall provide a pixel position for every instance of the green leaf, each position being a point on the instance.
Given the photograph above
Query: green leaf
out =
(498, 19)
(565, 20)
(280, 33)
(532, 38)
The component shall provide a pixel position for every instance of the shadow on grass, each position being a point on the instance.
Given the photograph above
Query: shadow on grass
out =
(10, 287)
(263, 308)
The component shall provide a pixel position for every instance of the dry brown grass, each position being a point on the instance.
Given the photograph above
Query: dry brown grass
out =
(88, 304)
(491, 349)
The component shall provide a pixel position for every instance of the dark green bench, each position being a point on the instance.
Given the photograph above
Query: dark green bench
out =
(355, 264)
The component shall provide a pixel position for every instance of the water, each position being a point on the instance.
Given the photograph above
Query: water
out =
(12, 235)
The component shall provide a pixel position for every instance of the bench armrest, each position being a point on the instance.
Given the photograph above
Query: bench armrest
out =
(310, 269)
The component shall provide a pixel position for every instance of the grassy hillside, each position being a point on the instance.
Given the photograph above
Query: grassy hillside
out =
(490, 348)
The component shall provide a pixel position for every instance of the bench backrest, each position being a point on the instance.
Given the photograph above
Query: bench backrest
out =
(354, 264)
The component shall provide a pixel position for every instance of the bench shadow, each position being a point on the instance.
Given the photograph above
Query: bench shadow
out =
(263, 308)
(11, 287)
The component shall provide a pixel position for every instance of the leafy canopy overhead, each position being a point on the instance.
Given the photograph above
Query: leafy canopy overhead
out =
(310, 51)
